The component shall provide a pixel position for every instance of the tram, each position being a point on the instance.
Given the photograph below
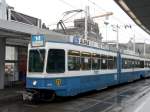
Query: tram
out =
(70, 68)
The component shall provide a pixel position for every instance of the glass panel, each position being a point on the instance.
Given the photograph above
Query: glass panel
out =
(110, 60)
(125, 63)
(73, 63)
(10, 73)
(95, 61)
(128, 63)
(74, 53)
(103, 62)
(36, 60)
(86, 61)
(11, 53)
(56, 61)
(115, 62)
(73, 60)
(141, 64)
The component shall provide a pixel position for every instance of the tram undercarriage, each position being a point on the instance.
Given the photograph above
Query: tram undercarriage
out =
(38, 95)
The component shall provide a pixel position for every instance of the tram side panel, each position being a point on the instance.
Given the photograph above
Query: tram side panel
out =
(97, 82)
(147, 67)
(131, 69)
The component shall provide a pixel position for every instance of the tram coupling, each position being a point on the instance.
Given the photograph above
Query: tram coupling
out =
(30, 95)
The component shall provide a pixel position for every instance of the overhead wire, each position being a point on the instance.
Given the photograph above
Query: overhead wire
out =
(116, 18)
(98, 6)
(69, 17)
(63, 1)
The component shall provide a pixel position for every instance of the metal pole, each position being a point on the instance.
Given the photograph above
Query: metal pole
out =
(3, 10)
(106, 33)
(134, 42)
(106, 23)
(144, 48)
(2, 62)
(117, 44)
(86, 22)
(144, 52)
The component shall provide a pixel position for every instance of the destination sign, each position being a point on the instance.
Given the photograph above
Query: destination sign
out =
(82, 41)
(38, 40)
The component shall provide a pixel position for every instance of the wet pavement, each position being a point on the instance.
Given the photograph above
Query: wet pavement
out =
(11, 94)
(114, 99)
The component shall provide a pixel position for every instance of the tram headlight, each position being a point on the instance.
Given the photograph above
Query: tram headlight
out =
(34, 83)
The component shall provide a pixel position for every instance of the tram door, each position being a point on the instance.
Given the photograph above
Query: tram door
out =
(119, 63)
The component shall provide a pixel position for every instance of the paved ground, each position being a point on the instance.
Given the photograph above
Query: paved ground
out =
(11, 94)
(115, 99)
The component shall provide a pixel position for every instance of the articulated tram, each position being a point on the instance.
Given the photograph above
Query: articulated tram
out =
(67, 69)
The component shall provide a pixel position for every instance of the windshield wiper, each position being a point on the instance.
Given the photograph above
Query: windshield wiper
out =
(41, 57)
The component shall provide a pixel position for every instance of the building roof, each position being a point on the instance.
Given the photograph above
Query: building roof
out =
(138, 10)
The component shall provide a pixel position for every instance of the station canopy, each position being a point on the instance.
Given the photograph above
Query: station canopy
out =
(138, 10)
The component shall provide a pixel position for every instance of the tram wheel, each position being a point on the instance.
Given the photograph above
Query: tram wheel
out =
(50, 97)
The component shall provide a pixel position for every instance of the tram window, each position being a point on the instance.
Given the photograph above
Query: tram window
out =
(137, 65)
(103, 62)
(110, 60)
(56, 61)
(129, 63)
(133, 63)
(145, 64)
(126, 63)
(115, 62)
(85, 61)
(141, 64)
(73, 60)
(95, 61)
(36, 60)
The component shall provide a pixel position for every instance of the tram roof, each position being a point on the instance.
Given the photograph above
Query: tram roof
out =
(57, 37)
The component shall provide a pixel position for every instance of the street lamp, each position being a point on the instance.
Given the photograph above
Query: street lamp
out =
(144, 51)
(133, 43)
(106, 24)
(116, 29)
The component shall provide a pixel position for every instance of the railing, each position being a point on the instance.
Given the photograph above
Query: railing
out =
(22, 18)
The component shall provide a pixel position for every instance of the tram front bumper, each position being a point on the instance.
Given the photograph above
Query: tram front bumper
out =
(27, 96)
(48, 84)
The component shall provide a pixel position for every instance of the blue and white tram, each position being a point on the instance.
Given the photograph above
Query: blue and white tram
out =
(132, 68)
(66, 69)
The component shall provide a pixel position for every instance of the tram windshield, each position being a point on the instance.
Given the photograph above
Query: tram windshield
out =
(56, 61)
(36, 60)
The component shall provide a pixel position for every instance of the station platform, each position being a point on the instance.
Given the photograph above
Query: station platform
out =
(142, 105)
(11, 94)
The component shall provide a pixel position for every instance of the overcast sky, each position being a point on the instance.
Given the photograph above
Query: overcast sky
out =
(50, 11)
